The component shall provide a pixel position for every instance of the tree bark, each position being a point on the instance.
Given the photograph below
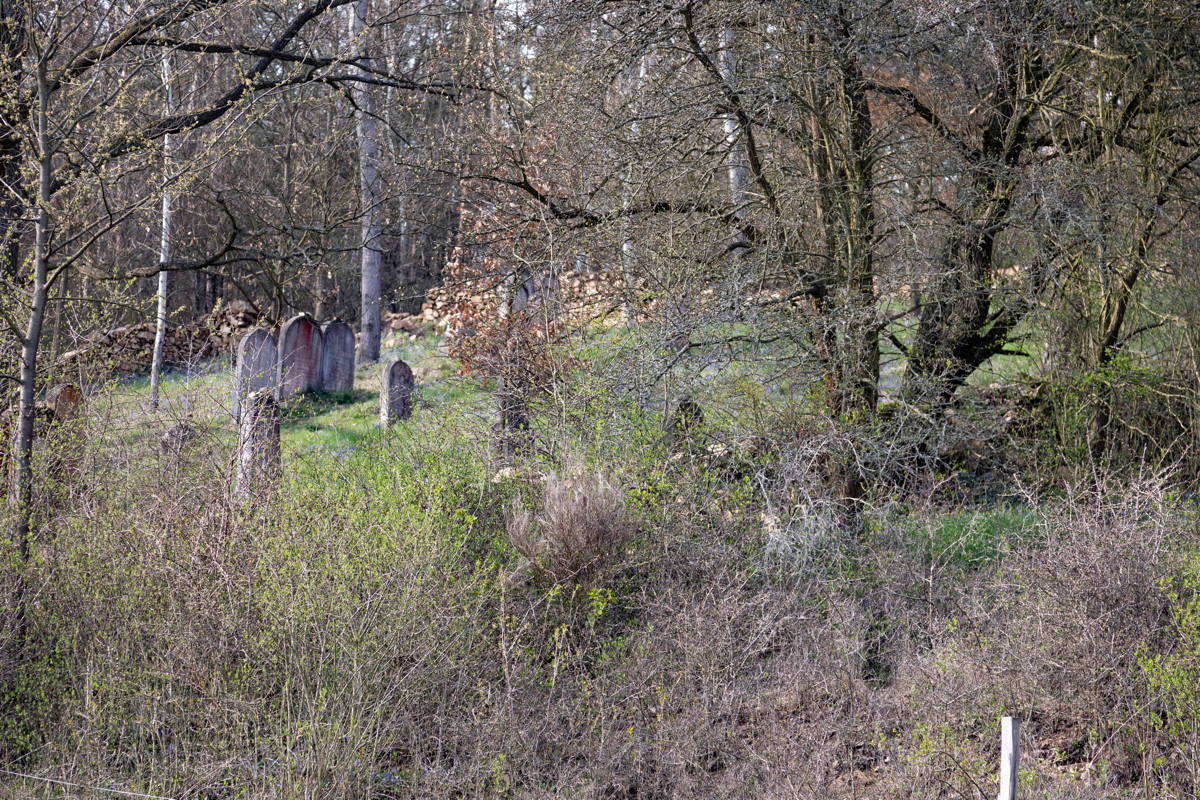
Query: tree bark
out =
(628, 244)
(859, 327)
(164, 246)
(370, 195)
(736, 172)
(23, 494)
(12, 43)
(958, 326)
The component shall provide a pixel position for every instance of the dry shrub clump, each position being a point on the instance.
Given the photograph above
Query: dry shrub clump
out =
(356, 635)
(582, 525)
(1053, 634)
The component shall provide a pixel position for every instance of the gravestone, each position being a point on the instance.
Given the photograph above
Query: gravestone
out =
(511, 434)
(337, 357)
(299, 357)
(66, 401)
(538, 290)
(257, 367)
(176, 439)
(174, 445)
(258, 461)
(59, 438)
(395, 393)
(685, 419)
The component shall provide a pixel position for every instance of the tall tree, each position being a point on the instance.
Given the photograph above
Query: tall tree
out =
(370, 190)
(164, 248)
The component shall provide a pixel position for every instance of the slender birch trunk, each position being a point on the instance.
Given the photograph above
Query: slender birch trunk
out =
(628, 245)
(164, 246)
(23, 494)
(736, 172)
(369, 194)
(12, 149)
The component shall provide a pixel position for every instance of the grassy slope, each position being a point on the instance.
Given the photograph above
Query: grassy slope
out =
(326, 422)
(363, 637)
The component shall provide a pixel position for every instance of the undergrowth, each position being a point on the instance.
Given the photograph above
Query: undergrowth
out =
(385, 627)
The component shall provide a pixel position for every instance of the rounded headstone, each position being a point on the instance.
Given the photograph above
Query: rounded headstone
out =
(299, 356)
(257, 364)
(337, 356)
(66, 401)
(395, 394)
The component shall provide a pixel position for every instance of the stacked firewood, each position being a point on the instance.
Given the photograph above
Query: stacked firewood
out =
(579, 298)
(227, 324)
(131, 348)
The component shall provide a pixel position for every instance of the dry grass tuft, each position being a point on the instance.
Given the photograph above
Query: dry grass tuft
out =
(582, 526)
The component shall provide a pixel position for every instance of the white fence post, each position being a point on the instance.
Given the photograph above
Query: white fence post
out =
(1010, 755)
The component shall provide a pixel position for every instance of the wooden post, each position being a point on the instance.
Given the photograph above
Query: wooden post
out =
(1010, 754)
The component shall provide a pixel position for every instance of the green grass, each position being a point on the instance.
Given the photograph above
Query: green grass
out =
(976, 539)
(331, 422)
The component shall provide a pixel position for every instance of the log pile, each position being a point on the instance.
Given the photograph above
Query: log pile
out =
(131, 348)
(590, 297)
(581, 298)
(227, 324)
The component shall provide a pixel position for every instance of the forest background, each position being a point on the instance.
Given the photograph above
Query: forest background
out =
(804, 385)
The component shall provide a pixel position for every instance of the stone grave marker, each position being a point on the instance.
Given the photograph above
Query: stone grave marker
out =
(60, 429)
(176, 439)
(685, 420)
(395, 393)
(66, 401)
(257, 367)
(337, 357)
(511, 433)
(299, 356)
(538, 290)
(258, 461)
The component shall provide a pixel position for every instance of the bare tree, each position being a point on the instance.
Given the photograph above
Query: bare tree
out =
(164, 248)
(370, 191)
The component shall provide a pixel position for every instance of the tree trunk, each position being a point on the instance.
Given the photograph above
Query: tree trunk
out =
(859, 328)
(964, 321)
(12, 44)
(164, 247)
(846, 330)
(947, 345)
(736, 172)
(23, 494)
(370, 195)
(628, 245)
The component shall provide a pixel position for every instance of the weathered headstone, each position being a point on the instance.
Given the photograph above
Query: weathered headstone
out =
(176, 439)
(59, 434)
(539, 290)
(66, 401)
(684, 420)
(258, 466)
(299, 356)
(511, 431)
(257, 367)
(395, 393)
(337, 357)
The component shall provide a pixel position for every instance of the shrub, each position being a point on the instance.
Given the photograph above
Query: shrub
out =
(582, 526)
(1174, 675)
(1127, 413)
